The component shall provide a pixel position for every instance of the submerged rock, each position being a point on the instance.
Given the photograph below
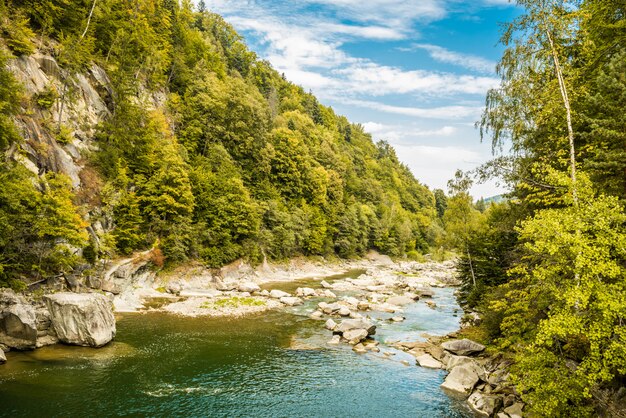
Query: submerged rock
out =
(18, 322)
(82, 319)
(463, 347)
(400, 300)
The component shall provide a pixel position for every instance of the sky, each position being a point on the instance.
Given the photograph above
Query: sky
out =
(413, 73)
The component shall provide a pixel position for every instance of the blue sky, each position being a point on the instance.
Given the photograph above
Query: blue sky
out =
(414, 73)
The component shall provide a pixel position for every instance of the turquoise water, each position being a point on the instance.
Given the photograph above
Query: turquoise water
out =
(271, 365)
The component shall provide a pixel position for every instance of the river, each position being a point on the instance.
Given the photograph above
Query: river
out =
(275, 364)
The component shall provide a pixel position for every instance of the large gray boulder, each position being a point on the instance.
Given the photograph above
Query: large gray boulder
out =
(462, 378)
(484, 405)
(400, 300)
(350, 324)
(428, 361)
(355, 336)
(463, 347)
(18, 321)
(82, 319)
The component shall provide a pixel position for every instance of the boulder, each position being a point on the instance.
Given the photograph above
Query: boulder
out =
(82, 319)
(363, 305)
(18, 322)
(428, 361)
(355, 336)
(330, 325)
(350, 324)
(200, 293)
(249, 287)
(515, 410)
(398, 319)
(425, 293)
(329, 308)
(3, 358)
(343, 311)
(452, 361)
(316, 315)
(277, 294)
(325, 284)
(305, 292)
(291, 301)
(485, 405)
(462, 378)
(399, 300)
(463, 347)
(352, 301)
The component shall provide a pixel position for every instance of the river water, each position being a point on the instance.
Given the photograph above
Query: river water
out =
(275, 364)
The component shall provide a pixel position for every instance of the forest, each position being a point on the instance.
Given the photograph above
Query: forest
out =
(546, 269)
(235, 161)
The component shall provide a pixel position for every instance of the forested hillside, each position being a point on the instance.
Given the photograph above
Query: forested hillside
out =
(203, 151)
(547, 268)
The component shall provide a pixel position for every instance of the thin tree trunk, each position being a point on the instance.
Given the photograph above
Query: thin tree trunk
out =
(469, 258)
(568, 111)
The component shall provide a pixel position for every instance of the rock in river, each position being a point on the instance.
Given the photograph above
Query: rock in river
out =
(18, 321)
(249, 287)
(350, 324)
(291, 301)
(82, 318)
(428, 361)
(462, 378)
(355, 336)
(463, 347)
(485, 405)
(277, 294)
(3, 358)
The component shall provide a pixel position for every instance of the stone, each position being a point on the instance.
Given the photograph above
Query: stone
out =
(82, 319)
(452, 361)
(359, 348)
(200, 293)
(335, 340)
(485, 405)
(249, 287)
(46, 340)
(462, 378)
(316, 315)
(329, 309)
(363, 305)
(18, 322)
(291, 301)
(355, 336)
(515, 410)
(398, 318)
(425, 293)
(431, 304)
(277, 294)
(399, 300)
(327, 294)
(330, 325)
(265, 293)
(463, 347)
(350, 324)
(428, 361)
(343, 311)
(305, 292)
(3, 358)
(352, 301)
(325, 284)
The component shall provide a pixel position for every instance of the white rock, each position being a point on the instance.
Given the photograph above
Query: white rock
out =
(355, 336)
(18, 321)
(291, 301)
(428, 361)
(359, 348)
(200, 293)
(305, 292)
(399, 300)
(277, 294)
(352, 301)
(350, 324)
(3, 358)
(250, 287)
(316, 315)
(398, 318)
(82, 319)
(462, 378)
(325, 284)
(330, 324)
(343, 311)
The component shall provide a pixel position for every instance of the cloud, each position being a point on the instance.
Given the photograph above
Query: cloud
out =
(403, 133)
(442, 112)
(470, 62)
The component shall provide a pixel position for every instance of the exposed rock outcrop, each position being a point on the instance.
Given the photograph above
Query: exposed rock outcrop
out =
(463, 347)
(82, 319)
(18, 321)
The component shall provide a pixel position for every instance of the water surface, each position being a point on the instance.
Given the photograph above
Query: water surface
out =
(272, 365)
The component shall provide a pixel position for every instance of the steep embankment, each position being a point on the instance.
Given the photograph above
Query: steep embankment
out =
(150, 127)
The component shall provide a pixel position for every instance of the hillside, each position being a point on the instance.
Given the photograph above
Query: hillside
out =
(129, 126)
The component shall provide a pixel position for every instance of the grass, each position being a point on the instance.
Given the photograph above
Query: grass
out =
(233, 302)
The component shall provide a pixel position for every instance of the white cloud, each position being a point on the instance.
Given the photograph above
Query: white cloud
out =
(443, 112)
(444, 55)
